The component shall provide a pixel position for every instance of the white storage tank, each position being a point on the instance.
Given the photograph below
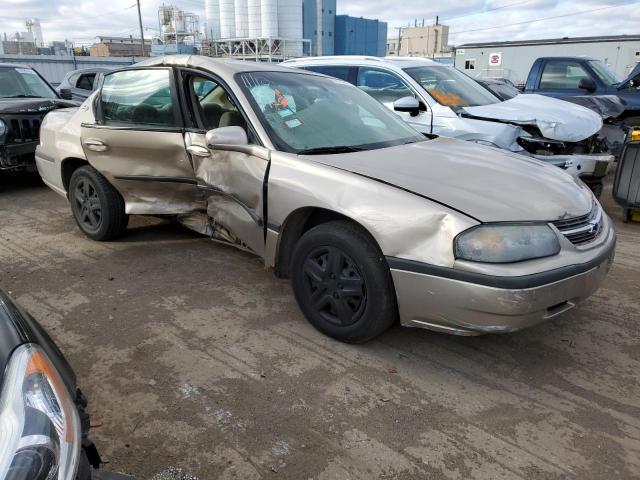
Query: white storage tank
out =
(227, 19)
(269, 13)
(242, 19)
(212, 13)
(290, 25)
(255, 18)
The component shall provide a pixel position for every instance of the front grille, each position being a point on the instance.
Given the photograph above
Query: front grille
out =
(23, 128)
(583, 229)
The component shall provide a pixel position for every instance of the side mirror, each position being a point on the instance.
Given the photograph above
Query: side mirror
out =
(226, 136)
(587, 84)
(407, 104)
(65, 94)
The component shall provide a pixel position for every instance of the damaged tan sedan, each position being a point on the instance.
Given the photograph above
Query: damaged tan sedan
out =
(372, 221)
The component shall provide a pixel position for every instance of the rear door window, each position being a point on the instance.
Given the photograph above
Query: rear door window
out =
(562, 74)
(139, 98)
(337, 71)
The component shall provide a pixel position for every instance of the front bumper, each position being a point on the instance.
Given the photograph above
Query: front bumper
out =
(18, 156)
(462, 303)
(578, 165)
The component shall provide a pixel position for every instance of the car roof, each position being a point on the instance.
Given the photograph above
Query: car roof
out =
(215, 65)
(397, 62)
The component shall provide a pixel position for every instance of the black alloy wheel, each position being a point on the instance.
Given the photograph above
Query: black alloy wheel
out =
(87, 204)
(97, 206)
(342, 282)
(334, 285)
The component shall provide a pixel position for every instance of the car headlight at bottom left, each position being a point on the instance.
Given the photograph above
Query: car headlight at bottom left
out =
(40, 431)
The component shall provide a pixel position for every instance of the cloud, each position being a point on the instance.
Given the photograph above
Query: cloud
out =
(470, 20)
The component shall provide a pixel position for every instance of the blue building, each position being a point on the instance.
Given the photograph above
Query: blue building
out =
(360, 36)
(320, 33)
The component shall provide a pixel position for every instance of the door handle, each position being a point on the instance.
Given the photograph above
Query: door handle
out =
(95, 145)
(198, 151)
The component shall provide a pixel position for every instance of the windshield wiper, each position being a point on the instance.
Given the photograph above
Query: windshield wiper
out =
(22, 95)
(329, 150)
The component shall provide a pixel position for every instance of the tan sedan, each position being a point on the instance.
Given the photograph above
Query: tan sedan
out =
(372, 221)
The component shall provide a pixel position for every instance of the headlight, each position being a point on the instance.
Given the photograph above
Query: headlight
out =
(3, 129)
(39, 425)
(506, 243)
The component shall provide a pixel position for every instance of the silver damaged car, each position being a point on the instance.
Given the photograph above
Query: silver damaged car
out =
(373, 222)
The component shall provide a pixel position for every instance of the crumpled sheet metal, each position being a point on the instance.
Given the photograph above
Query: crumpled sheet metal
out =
(404, 225)
(556, 119)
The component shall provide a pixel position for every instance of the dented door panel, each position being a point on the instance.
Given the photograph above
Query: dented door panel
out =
(150, 169)
(232, 185)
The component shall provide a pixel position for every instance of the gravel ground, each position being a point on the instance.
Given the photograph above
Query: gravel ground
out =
(199, 364)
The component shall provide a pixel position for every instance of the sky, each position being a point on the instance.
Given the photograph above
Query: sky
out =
(80, 21)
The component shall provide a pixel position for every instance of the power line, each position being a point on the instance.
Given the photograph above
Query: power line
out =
(480, 12)
(541, 19)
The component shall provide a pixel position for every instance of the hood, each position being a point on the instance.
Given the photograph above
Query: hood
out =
(33, 105)
(556, 119)
(607, 106)
(485, 183)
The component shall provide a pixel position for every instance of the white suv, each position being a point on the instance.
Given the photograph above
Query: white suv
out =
(438, 99)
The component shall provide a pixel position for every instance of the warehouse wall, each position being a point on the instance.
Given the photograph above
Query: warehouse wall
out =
(53, 67)
(517, 60)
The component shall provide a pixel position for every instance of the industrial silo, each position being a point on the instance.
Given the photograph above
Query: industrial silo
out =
(212, 13)
(290, 25)
(269, 12)
(255, 18)
(242, 19)
(227, 18)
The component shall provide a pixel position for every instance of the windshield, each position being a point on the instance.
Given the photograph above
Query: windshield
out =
(311, 114)
(18, 82)
(604, 73)
(450, 87)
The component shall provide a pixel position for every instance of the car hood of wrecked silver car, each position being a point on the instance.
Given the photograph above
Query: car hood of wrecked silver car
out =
(556, 119)
(483, 182)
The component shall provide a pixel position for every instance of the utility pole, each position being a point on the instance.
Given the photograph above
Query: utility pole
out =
(141, 29)
(399, 40)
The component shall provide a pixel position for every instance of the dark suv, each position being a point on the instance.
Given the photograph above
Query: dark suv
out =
(25, 98)
(43, 422)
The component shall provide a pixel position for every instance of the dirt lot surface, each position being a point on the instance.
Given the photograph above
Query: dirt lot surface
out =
(196, 358)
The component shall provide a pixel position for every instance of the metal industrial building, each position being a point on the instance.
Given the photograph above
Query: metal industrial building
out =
(319, 20)
(513, 60)
(360, 36)
(256, 29)
(420, 41)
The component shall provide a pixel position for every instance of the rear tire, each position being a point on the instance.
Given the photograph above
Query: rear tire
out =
(342, 283)
(97, 207)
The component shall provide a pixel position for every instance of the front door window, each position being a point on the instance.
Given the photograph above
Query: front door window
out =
(564, 75)
(214, 105)
(384, 86)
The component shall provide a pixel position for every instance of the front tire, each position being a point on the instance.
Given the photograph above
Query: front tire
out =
(342, 283)
(97, 207)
